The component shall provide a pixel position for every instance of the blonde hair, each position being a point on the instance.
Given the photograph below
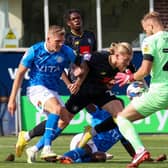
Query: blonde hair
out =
(122, 47)
(55, 29)
(154, 16)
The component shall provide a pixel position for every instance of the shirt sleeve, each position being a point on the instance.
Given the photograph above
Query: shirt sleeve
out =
(70, 55)
(147, 47)
(131, 67)
(28, 58)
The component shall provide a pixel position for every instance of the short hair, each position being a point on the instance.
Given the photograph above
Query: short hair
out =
(121, 47)
(155, 16)
(55, 29)
(69, 12)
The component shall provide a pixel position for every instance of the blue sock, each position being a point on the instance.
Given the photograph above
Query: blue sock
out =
(40, 143)
(51, 124)
(57, 132)
(76, 154)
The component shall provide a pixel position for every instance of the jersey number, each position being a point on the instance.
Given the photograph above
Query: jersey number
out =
(165, 67)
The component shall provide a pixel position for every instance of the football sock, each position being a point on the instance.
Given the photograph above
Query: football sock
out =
(88, 134)
(51, 125)
(128, 147)
(40, 143)
(34, 149)
(128, 131)
(57, 132)
(38, 130)
(26, 136)
(106, 125)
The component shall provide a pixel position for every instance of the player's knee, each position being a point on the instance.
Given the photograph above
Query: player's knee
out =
(58, 109)
(73, 109)
(63, 123)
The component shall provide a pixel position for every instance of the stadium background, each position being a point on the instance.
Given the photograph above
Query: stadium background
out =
(26, 22)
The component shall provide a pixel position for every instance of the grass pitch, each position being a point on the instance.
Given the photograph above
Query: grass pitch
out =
(156, 144)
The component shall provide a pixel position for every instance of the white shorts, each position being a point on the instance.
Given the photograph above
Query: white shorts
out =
(39, 94)
(75, 140)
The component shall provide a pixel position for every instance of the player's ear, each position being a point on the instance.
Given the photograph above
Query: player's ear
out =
(68, 23)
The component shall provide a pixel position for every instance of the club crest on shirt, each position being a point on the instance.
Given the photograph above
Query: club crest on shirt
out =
(59, 59)
(76, 43)
(103, 73)
(89, 41)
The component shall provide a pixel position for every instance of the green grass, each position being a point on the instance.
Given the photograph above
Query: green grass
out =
(156, 144)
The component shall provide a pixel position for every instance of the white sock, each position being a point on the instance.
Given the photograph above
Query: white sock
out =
(34, 149)
(140, 150)
(47, 147)
(26, 136)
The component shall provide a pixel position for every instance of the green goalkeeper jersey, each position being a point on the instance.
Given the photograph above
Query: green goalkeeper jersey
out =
(155, 47)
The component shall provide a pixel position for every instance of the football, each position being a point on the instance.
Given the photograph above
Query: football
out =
(10, 157)
(135, 89)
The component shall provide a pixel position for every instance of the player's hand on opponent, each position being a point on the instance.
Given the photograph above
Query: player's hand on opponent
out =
(73, 87)
(11, 107)
(124, 78)
(110, 84)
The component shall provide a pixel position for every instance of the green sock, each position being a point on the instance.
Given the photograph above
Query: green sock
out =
(128, 131)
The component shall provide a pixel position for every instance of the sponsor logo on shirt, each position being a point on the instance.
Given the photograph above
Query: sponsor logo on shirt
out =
(146, 49)
(76, 43)
(48, 68)
(103, 73)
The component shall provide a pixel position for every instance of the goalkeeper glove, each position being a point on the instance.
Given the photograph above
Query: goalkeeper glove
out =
(124, 78)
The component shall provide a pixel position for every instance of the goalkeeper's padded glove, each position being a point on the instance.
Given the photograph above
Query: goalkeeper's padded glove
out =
(124, 78)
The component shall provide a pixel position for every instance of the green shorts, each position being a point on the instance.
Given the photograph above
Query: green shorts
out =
(155, 99)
